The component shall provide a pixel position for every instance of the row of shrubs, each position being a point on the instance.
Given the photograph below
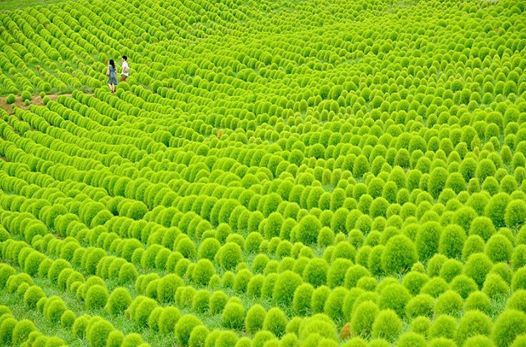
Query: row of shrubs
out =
(23, 332)
(96, 330)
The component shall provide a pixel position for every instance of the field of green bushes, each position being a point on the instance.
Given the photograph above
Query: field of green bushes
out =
(274, 173)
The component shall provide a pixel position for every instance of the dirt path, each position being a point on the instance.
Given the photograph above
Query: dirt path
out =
(35, 100)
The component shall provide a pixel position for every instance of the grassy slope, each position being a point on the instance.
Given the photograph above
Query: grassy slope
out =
(14, 4)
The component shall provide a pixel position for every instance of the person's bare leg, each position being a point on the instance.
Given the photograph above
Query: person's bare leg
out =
(111, 89)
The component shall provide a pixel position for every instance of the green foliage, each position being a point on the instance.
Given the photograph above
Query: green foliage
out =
(96, 297)
(363, 319)
(233, 316)
(387, 325)
(275, 321)
(399, 255)
(254, 319)
(286, 284)
(184, 327)
(508, 326)
(473, 323)
(98, 332)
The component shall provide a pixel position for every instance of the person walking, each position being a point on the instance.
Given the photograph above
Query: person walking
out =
(112, 76)
(125, 68)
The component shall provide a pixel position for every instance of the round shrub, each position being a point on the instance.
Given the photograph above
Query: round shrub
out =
(508, 326)
(395, 297)
(263, 338)
(275, 321)
(479, 341)
(67, 319)
(167, 286)
(98, 331)
(363, 318)
(200, 333)
(204, 269)
(118, 301)
(337, 270)
(443, 326)
(318, 299)
(233, 316)
(115, 339)
(10, 99)
(496, 209)
(96, 297)
(254, 319)
(478, 301)
(420, 325)
(21, 331)
(449, 302)
(307, 230)
(153, 318)
(218, 301)
(420, 305)
(483, 227)
(208, 248)
(315, 272)
(399, 255)
(477, 267)
(495, 287)
(184, 327)
(517, 301)
(302, 299)
(435, 287)
(427, 240)
(284, 288)
(334, 304)
(414, 281)
(450, 269)
(167, 319)
(143, 310)
(515, 214)
(318, 324)
(32, 295)
(7, 326)
(387, 325)
(230, 254)
(451, 241)
(132, 340)
(54, 308)
(519, 279)
(499, 248)
(471, 324)
(80, 325)
(353, 274)
(411, 339)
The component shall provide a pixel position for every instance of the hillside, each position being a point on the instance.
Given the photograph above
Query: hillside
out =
(272, 173)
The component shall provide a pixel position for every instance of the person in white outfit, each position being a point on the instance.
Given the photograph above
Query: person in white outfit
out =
(125, 68)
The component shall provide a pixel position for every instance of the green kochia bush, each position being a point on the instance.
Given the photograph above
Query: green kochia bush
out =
(275, 321)
(230, 255)
(387, 325)
(477, 267)
(96, 297)
(399, 255)
(254, 319)
(98, 331)
(118, 301)
(184, 327)
(363, 318)
(471, 324)
(167, 319)
(508, 326)
(307, 230)
(233, 316)
(284, 288)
